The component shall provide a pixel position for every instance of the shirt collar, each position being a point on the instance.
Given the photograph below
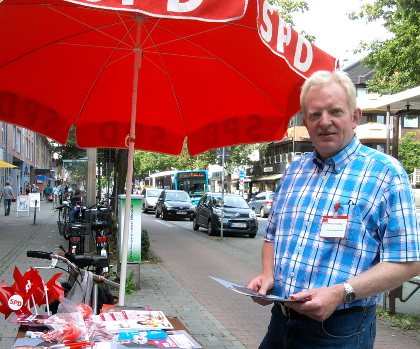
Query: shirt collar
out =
(339, 161)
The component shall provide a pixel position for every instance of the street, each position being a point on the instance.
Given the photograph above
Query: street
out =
(180, 285)
(192, 256)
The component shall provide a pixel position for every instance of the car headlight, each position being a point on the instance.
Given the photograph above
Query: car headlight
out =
(252, 215)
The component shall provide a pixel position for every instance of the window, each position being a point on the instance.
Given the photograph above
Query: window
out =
(410, 122)
(17, 139)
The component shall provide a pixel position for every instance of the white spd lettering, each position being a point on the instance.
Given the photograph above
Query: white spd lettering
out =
(267, 34)
(177, 6)
(301, 55)
(284, 35)
(305, 65)
(173, 5)
(15, 302)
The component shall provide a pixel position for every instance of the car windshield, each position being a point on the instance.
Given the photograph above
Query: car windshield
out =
(154, 193)
(231, 201)
(177, 196)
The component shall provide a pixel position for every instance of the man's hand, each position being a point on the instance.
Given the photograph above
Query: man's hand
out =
(263, 284)
(321, 304)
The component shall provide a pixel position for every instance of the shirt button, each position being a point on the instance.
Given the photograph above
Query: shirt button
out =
(292, 274)
(300, 248)
(338, 168)
(323, 177)
(307, 223)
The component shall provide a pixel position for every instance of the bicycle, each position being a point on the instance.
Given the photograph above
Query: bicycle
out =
(99, 226)
(75, 264)
(73, 225)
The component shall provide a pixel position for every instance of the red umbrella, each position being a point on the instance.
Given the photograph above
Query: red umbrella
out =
(217, 72)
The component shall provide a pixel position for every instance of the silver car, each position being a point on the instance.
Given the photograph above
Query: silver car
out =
(261, 203)
(150, 198)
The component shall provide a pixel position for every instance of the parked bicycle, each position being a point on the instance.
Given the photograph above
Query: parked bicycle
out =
(100, 228)
(78, 276)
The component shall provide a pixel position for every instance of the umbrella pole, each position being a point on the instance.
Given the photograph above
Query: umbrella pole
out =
(131, 138)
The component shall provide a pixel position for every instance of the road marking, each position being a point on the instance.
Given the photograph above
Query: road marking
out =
(164, 223)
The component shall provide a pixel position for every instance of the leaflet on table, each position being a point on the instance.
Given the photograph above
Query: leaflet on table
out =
(176, 339)
(27, 319)
(248, 292)
(39, 343)
(127, 320)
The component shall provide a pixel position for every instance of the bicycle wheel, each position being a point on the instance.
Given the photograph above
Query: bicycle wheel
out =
(65, 214)
(65, 217)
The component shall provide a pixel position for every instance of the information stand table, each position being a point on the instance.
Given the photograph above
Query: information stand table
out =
(175, 322)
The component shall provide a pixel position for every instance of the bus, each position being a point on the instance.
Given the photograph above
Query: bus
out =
(195, 183)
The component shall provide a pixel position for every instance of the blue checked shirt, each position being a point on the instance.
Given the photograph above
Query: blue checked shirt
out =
(374, 192)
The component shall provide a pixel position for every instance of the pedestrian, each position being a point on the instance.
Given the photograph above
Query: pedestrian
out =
(34, 188)
(341, 231)
(47, 192)
(27, 189)
(7, 193)
(57, 192)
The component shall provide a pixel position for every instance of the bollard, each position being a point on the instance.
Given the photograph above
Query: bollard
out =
(36, 204)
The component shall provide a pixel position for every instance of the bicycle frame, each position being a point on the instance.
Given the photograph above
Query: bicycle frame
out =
(82, 261)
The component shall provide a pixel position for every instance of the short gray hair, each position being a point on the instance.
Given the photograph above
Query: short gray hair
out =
(323, 77)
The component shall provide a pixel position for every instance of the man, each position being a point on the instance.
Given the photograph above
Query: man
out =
(57, 192)
(47, 192)
(342, 229)
(7, 193)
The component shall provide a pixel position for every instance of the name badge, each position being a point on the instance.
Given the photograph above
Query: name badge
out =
(333, 227)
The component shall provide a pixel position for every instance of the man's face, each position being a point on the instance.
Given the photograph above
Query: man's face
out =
(328, 119)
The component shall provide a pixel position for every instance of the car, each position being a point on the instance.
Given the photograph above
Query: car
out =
(236, 214)
(150, 197)
(261, 203)
(174, 204)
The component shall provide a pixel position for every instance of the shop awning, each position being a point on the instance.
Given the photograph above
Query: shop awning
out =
(267, 178)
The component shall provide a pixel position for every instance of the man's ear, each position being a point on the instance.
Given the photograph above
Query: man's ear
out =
(357, 116)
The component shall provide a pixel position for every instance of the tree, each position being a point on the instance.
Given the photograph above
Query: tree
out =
(70, 150)
(395, 60)
(409, 152)
(286, 8)
(146, 163)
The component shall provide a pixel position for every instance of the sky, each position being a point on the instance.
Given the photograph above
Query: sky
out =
(334, 32)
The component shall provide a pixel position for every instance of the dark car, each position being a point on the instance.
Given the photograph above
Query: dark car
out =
(150, 197)
(261, 203)
(236, 215)
(174, 204)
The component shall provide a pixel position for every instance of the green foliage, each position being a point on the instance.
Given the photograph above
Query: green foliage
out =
(404, 321)
(69, 150)
(395, 60)
(130, 285)
(409, 152)
(149, 162)
(239, 156)
(145, 245)
(286, 8)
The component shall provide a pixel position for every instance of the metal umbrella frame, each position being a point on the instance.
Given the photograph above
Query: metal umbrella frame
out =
(235, 79)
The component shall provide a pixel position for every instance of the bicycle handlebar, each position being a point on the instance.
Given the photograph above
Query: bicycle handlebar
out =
(50, 255)
(38, 254)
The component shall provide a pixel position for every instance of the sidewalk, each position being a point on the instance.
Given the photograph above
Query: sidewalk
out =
(159, 289)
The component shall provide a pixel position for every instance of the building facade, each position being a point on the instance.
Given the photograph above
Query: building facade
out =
(29, 151)
(264, 173)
